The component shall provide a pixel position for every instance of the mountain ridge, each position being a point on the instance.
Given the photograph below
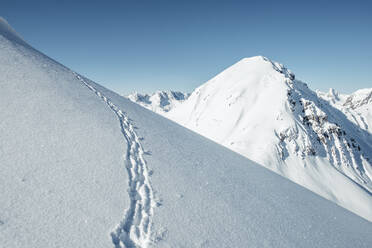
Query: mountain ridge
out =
(257, 108)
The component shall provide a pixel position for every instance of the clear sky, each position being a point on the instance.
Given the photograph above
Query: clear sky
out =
(149, 45)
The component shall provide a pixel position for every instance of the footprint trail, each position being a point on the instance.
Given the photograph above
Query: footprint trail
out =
(134, 231)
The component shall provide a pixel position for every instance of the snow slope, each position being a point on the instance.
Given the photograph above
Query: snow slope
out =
(258, 109)
(62, 180)
(84, 167)
(160, 101)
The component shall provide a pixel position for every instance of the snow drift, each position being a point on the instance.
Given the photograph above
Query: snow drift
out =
(84, 167)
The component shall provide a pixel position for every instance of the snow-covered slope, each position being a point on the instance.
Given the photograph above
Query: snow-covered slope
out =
(84, 167)
(160, 101)
(259, 110)
(62, 180)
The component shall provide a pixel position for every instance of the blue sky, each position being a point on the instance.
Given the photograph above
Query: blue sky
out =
(150, 45)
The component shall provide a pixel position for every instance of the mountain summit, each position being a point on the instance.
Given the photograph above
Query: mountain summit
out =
(257, 108)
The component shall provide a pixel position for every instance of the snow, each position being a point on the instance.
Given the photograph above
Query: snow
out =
(221, 199)
(135, 229)
(259, 110)
(82, 166)
(62, 179)
(9, 33)
(160, 101)
(357, 106)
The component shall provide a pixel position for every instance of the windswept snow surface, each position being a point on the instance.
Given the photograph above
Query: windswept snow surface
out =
(84, 167)
(63, 181)
(160, 102)
(258, 109)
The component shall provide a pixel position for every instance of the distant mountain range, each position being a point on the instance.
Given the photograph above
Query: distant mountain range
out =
(160, 101)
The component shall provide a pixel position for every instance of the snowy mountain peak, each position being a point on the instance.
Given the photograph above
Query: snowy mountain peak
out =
(333, 92)
(248, 71)
(257, 108)
(275, 65)
(159, 101)
(359, 98)
(253, 59)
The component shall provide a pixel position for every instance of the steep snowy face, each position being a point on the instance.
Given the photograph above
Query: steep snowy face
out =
(160, 101)
(258, 109)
